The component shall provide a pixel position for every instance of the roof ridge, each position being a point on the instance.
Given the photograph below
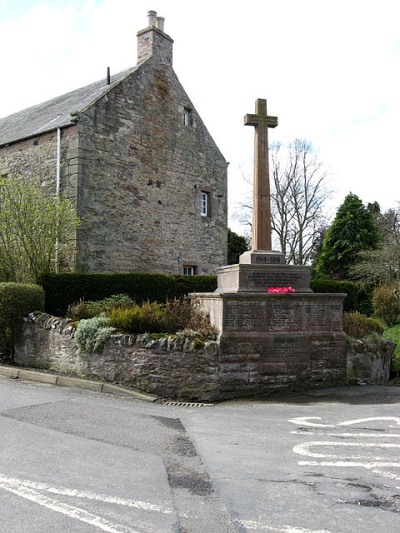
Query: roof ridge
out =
(56, 112)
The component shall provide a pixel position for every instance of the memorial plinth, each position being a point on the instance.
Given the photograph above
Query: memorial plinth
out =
(274, 341)
(258, 278)
(277, 341)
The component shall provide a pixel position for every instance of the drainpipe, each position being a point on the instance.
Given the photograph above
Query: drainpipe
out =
(56, 258)
(58, 161)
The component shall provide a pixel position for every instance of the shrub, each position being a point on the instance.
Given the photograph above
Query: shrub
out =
(150, 317)
(16, 301)
(357, 325)
(358, 296)
(84, 310)
(93, 333)
(386, 304)
(153, 317)
(393, 333)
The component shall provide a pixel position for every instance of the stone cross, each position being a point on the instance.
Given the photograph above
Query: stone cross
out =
(261, 188)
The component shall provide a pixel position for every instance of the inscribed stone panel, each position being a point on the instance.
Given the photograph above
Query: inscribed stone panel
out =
(244, 315)
(318, 315)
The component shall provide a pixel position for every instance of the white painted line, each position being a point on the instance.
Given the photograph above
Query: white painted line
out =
(72, 512)
(347, 435)
(82, 494)
(29, 490)
(368, 466)
(395, 419)
(251, 524)
(304, 449)
(390, 475)
(305, 421)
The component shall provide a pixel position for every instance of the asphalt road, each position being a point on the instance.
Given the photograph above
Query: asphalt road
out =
(80, 461)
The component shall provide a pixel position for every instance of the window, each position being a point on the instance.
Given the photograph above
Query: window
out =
(187, 117)
(204, 203)
(190, 270)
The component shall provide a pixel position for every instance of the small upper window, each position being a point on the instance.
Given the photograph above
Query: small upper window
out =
(204, 204)
(187, 116)
(190, 270)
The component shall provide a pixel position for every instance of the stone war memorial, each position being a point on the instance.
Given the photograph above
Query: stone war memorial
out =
(274, 332)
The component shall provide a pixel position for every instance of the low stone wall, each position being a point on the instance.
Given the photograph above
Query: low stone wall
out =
(185, 369)
(368, 361)
(171, 367)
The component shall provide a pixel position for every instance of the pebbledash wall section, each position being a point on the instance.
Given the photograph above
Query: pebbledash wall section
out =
(186, 369)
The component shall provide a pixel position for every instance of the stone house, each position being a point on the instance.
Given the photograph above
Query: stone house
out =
(134, 157)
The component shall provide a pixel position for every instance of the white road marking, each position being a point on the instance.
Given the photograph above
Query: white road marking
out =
(304, 449)
(347, 435)
(367, 466)
(377, 464)
(372, 419)
(251, 524)
(72, 512)
(29, 490)
(305, 421)
(62, 491)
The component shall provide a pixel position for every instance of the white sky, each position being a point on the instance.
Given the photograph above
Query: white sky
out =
(330, 70)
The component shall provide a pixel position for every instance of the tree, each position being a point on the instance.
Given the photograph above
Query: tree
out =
(237, 244)
(298, 194)
(353, 230)
(35, 227)
(382, 266)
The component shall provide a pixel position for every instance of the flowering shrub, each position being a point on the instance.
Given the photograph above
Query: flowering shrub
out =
(280, 290)
(92, 334)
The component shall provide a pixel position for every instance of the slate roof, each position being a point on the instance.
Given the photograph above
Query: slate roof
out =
(55, 113)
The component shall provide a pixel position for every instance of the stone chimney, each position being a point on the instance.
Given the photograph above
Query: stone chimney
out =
(153, 42)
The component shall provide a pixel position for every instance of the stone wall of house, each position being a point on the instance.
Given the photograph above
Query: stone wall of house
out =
(135, 173)
(143, 171)
(36, 159)
(185, 369)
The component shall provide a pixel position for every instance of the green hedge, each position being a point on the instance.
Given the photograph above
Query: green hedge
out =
(357, 299)
(61, 290)
(16, 301)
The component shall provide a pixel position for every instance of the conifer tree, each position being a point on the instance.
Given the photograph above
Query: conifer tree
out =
(237, 244)
(353, 230)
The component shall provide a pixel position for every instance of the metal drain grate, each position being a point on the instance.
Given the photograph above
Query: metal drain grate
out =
(186, 404)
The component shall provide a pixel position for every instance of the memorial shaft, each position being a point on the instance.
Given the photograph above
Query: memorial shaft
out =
(261, 187)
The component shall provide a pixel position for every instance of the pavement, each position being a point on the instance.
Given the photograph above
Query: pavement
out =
(67, 381)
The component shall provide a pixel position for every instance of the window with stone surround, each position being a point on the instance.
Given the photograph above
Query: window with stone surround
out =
(189, 270)
(204, 203)
(187, 116)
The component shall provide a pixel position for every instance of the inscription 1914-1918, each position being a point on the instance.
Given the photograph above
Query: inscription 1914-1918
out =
(267, 259)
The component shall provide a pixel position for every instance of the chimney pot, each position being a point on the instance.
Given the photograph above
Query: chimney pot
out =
(160, 23)
(152, 18)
